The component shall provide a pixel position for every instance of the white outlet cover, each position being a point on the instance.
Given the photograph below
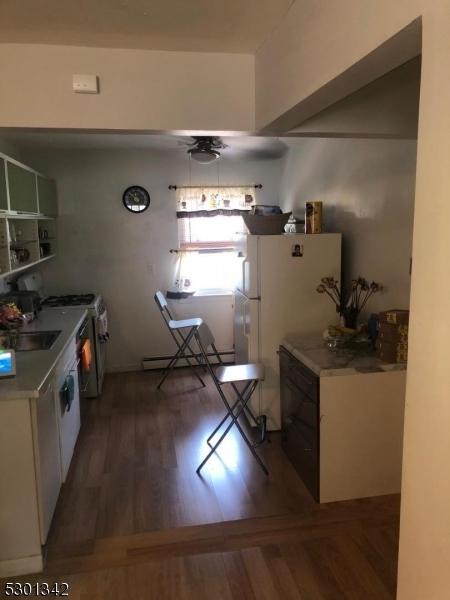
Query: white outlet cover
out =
(85, 84)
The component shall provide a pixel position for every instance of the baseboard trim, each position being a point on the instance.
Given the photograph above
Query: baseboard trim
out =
(21, 566)
(161, 362)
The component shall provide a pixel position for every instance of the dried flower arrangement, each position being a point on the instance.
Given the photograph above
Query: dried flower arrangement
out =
(10, 316)
(360, 292)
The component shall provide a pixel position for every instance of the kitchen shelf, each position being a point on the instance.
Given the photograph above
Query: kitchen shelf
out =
(28, 208)
(19, 242)
(27, 266)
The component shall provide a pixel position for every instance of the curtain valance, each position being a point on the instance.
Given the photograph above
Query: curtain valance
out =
(214, 201)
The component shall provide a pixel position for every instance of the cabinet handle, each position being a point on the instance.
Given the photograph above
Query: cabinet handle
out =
(49, 387)
(294, 388)
(75, 365)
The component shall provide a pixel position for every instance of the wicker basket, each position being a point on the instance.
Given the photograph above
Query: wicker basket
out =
(266, 224)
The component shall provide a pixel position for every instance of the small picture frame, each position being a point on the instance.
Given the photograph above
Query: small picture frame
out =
(297, 250)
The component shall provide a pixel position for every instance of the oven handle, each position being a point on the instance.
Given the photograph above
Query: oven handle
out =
(82, 329)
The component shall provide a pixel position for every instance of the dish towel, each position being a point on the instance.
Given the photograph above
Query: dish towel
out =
(102, 327)
(86, 355)
(67, 392)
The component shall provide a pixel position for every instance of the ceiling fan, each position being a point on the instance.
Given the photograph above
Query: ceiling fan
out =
(205, 149)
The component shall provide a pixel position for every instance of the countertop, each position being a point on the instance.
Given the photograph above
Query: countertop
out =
(313, 353)
(33, 367)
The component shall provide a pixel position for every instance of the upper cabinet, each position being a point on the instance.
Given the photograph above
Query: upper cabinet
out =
(28, 207)
(3, 194)
(22, 189)
(48, 204)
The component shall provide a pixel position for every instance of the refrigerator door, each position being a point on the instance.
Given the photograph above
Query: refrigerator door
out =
(291, 267)
(248, 283)
(246, 329)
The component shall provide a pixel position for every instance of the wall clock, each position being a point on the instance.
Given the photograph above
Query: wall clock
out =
(136, 199)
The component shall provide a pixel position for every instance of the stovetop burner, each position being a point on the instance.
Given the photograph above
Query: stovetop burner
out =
(69, 300)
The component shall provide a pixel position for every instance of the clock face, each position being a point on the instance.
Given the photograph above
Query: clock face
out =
(136, 199)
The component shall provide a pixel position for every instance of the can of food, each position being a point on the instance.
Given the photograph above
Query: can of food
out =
(313, 217)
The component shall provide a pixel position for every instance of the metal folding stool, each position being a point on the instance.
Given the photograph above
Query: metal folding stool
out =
(249, 375)
(182, 332)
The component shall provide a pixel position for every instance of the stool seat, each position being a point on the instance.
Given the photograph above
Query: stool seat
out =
(182, 323)
(237, 373)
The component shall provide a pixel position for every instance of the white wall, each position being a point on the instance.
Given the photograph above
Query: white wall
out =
(367, 190)
(317, 42)
(125, 257)
(139, 89)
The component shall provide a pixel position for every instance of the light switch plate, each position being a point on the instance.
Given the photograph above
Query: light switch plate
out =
(85, 84)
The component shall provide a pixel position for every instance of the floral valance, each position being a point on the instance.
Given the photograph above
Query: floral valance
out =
(213, 201)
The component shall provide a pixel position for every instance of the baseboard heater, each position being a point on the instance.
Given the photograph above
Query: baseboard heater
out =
(161, 362)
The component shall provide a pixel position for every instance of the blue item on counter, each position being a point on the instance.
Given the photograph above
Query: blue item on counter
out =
(372, 328)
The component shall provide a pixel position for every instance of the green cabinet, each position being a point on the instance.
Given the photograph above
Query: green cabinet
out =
(48, 204)
(3, 196)
(22, 189)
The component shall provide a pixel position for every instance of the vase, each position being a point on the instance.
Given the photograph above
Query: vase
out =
(350, 316)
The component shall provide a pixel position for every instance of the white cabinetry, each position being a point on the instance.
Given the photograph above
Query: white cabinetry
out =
(37, 439)
(69, 420)
(47, 456)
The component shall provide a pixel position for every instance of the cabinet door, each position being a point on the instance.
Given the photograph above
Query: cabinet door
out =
(299, 425)
(48, 458)
(48, 204)
(22, 189)
(3, 197)
(69, 421)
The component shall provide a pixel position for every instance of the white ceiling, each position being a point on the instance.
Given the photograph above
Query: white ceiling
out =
(181, 25)
(252, 146)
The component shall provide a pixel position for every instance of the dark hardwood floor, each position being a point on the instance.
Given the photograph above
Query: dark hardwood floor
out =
(134, 520)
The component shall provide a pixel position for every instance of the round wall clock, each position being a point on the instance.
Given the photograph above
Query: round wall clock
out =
(136, 199)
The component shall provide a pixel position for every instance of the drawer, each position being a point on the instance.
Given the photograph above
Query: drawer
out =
(305, 379)
(303, 457)
(298, 406)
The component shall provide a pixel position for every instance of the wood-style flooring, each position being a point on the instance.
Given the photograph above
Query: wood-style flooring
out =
(134, 520)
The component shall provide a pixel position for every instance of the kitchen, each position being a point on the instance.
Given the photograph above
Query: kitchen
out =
(134, 260)
(364, 175)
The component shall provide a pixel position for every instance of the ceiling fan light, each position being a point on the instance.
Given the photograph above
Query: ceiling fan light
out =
(204, 155)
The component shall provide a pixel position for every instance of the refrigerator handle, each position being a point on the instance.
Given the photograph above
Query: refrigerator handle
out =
(245, 264)
(244, 291)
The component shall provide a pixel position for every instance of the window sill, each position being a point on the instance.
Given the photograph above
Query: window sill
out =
(207, 294)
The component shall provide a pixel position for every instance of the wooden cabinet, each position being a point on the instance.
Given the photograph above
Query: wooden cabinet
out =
(47, 196)
(300, 419)
(3, 194)
(22, 189)
(47, 457)
(343, 432)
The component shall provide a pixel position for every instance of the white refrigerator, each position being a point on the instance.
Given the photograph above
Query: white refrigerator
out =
(275, 296)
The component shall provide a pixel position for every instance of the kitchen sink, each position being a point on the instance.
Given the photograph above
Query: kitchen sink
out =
(36, 340)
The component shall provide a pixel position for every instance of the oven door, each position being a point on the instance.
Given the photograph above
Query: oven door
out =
(86, 364)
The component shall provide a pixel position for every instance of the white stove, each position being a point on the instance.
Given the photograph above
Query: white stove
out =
(96, 328)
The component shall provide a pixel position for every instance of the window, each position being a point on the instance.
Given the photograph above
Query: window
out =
(208, 219)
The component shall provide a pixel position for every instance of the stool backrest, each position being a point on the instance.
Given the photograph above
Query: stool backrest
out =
(205, 336)
(161, 303)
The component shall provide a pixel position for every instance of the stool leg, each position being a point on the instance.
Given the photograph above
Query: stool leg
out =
(227, 415)
(246, 394)
(176, 358)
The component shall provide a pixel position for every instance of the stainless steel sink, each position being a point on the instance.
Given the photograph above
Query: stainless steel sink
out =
(36, 340)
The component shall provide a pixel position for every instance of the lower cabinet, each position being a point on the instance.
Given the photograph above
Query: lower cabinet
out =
(47, 456)
(300, 419)
(37, 439)
(344, 432)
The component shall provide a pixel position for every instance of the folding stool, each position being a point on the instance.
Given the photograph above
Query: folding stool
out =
(248, 374)
(182, 331)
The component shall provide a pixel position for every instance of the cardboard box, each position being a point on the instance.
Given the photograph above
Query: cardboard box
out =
(394, 317)
(389, 352)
